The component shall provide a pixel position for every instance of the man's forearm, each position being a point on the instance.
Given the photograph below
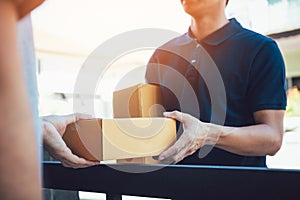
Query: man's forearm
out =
(19, 171)
(256, 140)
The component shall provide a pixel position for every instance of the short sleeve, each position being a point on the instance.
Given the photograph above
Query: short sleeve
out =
(267, 82)
(152, 74)
(159, 72)
(24, 7)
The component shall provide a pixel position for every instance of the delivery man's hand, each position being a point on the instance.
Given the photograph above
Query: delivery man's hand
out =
(195, 135)
(53, 130)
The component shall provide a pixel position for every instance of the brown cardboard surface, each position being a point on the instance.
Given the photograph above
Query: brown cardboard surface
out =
(84, 138)
(140, 160)
(137, 137)
(142, 100)
(112, 139)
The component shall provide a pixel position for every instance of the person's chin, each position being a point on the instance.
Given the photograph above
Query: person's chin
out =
(188, 10)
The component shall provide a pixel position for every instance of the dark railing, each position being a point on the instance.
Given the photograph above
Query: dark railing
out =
(177, 181)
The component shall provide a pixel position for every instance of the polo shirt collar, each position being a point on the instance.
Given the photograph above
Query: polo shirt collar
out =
(216, 37)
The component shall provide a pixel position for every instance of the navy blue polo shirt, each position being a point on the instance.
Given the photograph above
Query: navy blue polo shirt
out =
(222, 79)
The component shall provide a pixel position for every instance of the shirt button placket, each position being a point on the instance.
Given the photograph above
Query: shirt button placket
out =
(193, 61)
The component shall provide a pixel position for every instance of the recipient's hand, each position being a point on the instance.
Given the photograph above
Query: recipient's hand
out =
(196, 134)
(53, 130)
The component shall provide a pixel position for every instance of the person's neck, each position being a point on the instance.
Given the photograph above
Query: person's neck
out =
(203, 26)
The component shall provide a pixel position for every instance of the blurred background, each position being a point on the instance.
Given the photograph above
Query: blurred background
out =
(67, 31)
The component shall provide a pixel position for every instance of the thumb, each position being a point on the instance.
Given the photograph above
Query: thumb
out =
(76, 116)
(174, 115)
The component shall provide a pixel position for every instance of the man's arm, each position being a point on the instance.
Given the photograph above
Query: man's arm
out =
(262, 139)
(19, 165)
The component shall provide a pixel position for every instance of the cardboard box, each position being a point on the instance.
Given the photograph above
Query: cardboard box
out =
(113, 139)
(84, 139)
(142, 100)
(141, 160)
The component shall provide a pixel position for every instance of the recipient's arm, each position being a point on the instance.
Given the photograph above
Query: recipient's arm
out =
(19, 171)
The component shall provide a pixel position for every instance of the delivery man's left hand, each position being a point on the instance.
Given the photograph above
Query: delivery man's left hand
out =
(196, 134)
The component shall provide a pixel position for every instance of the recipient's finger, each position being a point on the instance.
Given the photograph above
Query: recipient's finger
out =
(76, 116)
(79, 163)
(79, 116)
(76, 162)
